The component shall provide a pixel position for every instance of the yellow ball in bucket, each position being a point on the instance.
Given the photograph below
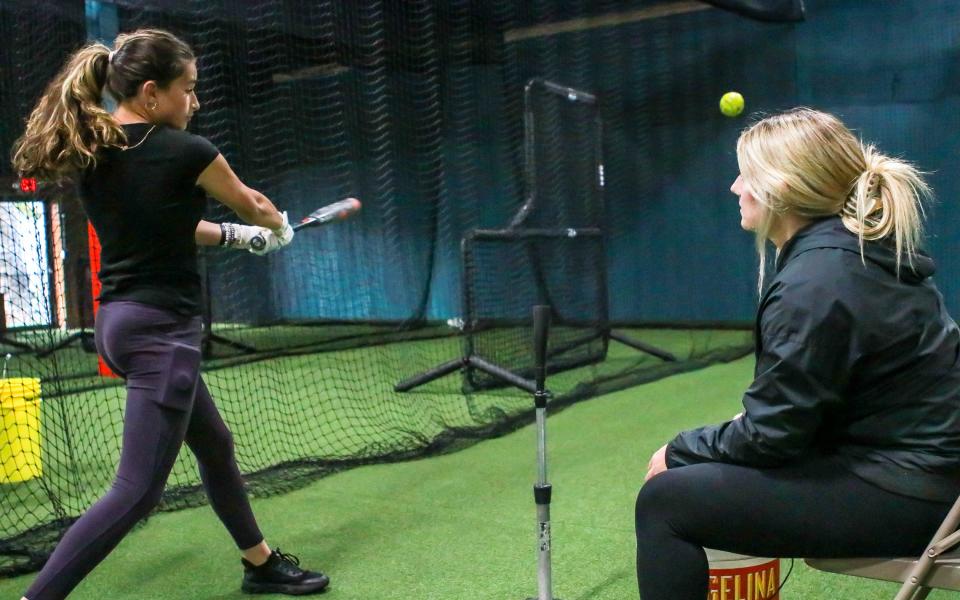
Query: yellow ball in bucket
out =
(731, 104)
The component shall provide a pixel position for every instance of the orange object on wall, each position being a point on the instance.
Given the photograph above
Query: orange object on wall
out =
(94, 246)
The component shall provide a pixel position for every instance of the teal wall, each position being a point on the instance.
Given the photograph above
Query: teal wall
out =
(889, 69)
(431, 143)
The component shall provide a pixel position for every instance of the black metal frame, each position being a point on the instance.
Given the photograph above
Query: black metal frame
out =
(469, 361)
(473, 327)
(573, 95)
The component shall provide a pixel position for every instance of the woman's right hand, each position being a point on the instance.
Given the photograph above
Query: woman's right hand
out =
(285, 232)
(657, 464)
(270, 240)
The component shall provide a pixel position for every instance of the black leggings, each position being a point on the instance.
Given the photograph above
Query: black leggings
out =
(157, 351)
(813, 510)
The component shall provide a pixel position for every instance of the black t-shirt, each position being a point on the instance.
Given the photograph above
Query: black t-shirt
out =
(144, 204)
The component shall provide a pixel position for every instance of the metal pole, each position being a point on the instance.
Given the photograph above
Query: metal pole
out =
(542, 489)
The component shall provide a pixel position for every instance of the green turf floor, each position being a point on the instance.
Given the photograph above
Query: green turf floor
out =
(325, 406)
(461, 525)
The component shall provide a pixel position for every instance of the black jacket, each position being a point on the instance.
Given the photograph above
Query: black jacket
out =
(852, 362)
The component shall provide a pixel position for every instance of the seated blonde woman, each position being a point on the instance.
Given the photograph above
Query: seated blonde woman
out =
(849, 440)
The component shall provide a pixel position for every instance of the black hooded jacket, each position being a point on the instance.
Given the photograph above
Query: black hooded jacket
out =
(853, 362)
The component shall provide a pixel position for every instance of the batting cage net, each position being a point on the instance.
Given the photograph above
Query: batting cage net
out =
(507, 272)
(482, 196)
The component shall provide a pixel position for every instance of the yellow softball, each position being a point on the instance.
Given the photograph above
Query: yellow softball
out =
(731, 104)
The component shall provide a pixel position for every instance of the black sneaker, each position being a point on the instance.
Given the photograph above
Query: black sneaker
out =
(281, 574)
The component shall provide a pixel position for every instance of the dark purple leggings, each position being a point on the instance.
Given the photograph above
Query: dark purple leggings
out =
(157, 352)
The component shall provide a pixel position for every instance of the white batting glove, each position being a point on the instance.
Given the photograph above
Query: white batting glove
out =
(270, 240)
(265, 243)
(285, 232)
(238, 237)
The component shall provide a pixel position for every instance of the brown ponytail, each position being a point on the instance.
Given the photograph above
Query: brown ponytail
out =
(69, 124)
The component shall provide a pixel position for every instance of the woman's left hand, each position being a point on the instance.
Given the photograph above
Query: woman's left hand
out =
(658, 463)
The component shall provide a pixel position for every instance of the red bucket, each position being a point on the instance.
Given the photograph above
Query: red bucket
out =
(738, 577)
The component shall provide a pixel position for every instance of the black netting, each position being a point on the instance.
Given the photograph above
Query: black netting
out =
(563, 149)
(415, 107)
(508, 272)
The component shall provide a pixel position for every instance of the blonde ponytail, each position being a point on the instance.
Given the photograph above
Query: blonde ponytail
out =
(69, 124)
(808, 163)
(887, 202)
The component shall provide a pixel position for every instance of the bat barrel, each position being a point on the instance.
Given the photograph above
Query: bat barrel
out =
(337, 211)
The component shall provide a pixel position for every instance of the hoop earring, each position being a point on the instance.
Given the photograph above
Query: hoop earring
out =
(152, 106)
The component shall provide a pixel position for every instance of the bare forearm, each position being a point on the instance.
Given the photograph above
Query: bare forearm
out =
(219, 180)
(262, 212)
(207, 234)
